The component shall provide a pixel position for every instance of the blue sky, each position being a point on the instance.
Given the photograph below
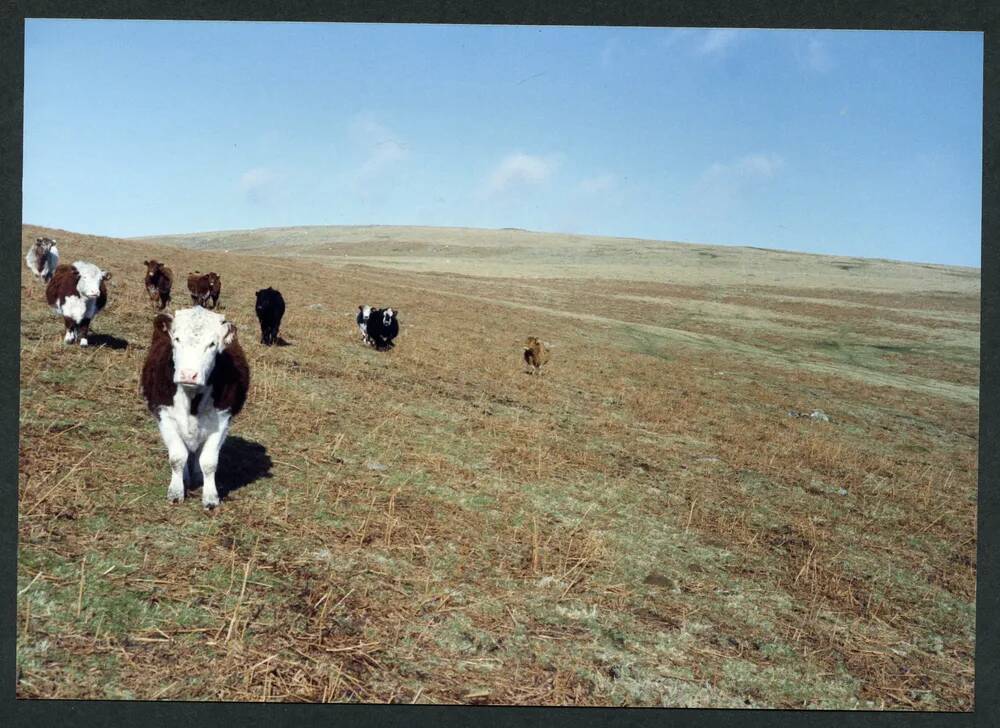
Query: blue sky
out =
(853, 143)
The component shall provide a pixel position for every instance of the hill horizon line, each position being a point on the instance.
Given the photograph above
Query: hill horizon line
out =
(575, 237)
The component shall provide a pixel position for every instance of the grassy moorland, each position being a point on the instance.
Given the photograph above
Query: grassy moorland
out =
(644, 524)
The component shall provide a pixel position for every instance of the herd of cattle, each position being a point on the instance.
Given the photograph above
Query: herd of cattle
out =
(195, 377)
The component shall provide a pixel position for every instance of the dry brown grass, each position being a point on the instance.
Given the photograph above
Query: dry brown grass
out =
(643, 525)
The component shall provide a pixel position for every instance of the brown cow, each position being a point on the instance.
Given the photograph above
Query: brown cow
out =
(204, 287)
(159, 280)
(77, 293)
(535, 353)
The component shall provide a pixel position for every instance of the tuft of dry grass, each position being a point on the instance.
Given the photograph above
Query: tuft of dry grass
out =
(644, 525)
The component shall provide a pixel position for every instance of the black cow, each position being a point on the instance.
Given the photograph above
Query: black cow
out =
(270, 309)
(382, 327)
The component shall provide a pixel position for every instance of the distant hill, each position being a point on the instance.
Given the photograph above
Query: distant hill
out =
(516, 253)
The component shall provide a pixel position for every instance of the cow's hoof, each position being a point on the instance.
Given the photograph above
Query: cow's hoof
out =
(210, 505)
(83, 342)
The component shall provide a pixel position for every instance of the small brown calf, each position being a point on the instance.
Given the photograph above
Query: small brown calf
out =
(159, 280)
(535, 353)
(204, 287)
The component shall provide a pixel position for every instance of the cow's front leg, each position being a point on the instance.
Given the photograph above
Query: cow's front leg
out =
(178, 453)
(209, 462)
(84, 331)
(70, 335)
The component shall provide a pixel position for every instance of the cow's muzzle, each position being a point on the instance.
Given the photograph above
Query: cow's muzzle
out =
(188, 378)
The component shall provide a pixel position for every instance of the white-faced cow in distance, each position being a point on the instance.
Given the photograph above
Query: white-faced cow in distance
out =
(77, 293)
(43, 258)
(195, 380)
(159, 280)
(205, 288)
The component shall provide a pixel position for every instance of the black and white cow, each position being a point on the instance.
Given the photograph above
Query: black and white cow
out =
(382, 328)
(195, 380)
(270, 308)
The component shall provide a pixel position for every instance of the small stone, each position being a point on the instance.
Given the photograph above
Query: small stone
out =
(820, 415)
(372, 465)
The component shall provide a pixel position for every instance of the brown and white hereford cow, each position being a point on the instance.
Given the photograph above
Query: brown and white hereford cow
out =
(204, 287)
(195, 380)
(43, 258)
(159, 280)
(77, 293)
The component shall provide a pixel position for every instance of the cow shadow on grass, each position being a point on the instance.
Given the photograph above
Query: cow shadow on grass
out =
(281, 342)
(241, 462)
(106, 340)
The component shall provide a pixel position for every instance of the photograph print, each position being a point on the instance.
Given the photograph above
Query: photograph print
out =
(510, 365)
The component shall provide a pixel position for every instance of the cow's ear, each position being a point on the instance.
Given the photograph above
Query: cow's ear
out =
(106, 276)
(145, 262)
(163, 322)
(230, 334)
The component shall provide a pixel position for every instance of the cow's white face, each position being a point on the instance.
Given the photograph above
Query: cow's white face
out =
(89, 285)
(198, 336)
(387, 316)
(366, 311)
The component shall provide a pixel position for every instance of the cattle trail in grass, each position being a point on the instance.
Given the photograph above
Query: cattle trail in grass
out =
(642, 525)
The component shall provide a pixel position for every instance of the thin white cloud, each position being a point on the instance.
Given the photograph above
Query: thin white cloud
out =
(599, 183)
(518, 170)
(382, 147)
(718, 41)
(610, 51)
(258, 184)
(675, 36)
(722, 185)
(817, 57)
(754, 167)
